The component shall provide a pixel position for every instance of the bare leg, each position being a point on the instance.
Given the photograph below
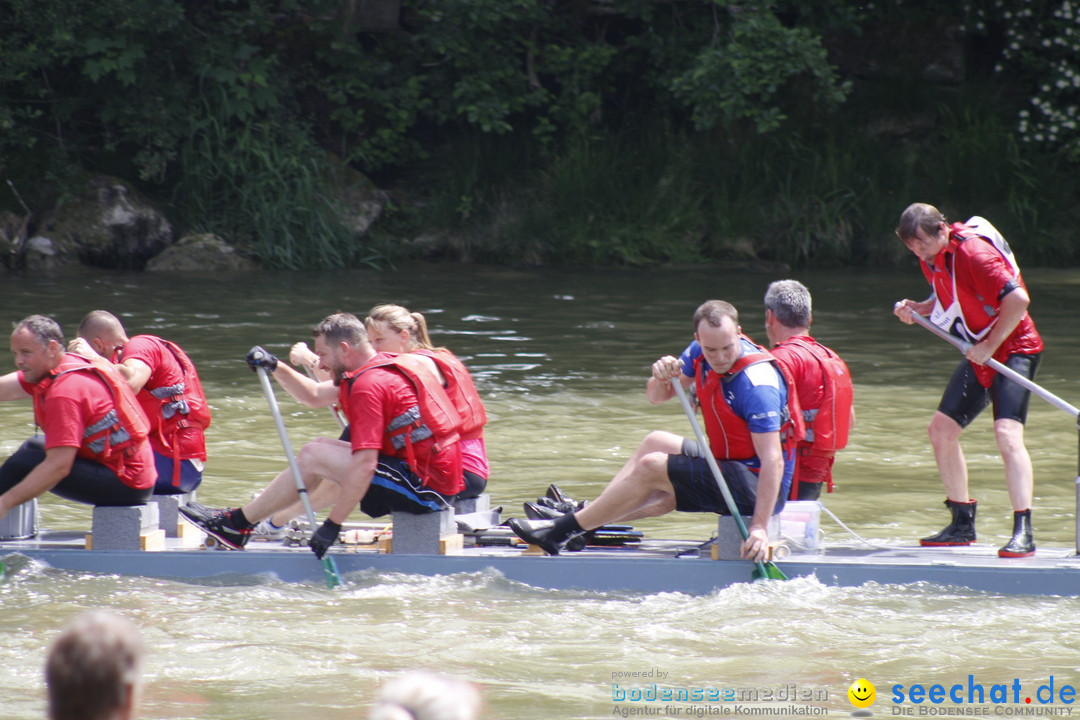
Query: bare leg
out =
(320, 462)
(323, 495)
(945, 438)
(640, 489)
(1019, 475)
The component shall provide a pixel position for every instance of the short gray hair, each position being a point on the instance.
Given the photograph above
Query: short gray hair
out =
(789, 301)
(44, 329)
(341, 327)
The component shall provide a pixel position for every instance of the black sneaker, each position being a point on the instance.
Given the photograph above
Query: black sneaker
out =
(216, 523)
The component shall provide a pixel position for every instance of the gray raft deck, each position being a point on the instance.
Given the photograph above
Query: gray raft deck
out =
(652, 566)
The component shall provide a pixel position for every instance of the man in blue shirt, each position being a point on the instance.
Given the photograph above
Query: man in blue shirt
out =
(743, 397)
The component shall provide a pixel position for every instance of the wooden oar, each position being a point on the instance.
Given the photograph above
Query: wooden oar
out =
(1005, 370)
(762, 570)
(330, 570)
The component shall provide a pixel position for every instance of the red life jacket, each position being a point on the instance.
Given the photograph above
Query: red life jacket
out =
(434, 415)
(178, 407)
(729, 435)
(827, 426)
(462, 392)
(121, 430)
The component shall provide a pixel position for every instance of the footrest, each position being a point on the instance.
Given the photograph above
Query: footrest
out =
(426, 534)
(128, 527)
(169, 517)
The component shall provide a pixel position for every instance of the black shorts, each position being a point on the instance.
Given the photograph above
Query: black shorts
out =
(696, 489)
(395, 487)
(474, 486)
(88, 482)
(965, 397)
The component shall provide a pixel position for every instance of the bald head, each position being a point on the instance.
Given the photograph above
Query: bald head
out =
(103, 331)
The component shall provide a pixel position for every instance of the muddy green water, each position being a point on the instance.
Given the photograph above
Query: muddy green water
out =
(561, 359)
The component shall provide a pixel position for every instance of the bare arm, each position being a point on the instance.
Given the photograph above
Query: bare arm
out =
(1011, 312)
(136, 372)
(10, 388)
(658, 389)
(54, 468)
(767, 448)
(303, 389)
(301, 355)
(904, 308)
(355, 484)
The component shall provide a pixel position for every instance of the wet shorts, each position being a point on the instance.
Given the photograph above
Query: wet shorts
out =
(397, 488)
(964, 397)
(696, 489)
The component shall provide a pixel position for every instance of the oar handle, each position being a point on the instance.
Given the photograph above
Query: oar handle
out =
(1005, 370)
(333, 408)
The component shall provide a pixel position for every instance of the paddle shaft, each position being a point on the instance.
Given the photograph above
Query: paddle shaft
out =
(301, 488)
(717, 475)
(333, 408)
(1000, 367)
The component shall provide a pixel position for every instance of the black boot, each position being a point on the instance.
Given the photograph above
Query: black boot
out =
(550, 535)
(1022, 543)
(536, 511)
(961, 531)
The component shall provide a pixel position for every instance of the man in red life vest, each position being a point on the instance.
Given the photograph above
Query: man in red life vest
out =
(752, 423)
(168, 389)
(978, 296)
(822, 380)
(94, 448)
(402, 453)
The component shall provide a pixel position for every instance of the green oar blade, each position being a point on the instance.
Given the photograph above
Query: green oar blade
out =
(333, 577)
(774, 573)
(767, 571)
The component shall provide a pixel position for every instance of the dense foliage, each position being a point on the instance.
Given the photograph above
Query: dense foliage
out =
(575, 131)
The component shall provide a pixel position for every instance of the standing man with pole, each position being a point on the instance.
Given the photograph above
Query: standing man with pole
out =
(978, 296)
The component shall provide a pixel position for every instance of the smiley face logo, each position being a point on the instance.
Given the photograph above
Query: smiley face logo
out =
(862, 693)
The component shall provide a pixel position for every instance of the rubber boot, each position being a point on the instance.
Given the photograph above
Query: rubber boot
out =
(550, 535)
(961, 531)
(536, 511)
(1022, 543)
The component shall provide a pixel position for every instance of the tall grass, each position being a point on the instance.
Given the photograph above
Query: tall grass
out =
(267, 190)
(822, 191)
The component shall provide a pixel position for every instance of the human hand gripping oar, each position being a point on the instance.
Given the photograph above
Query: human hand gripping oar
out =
(762, 570)
(330, 570)
(999, 367)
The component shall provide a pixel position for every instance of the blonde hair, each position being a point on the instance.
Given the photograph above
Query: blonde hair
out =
(399, 318)
(423, 695)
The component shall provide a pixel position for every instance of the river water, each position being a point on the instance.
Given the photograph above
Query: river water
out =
(561, 358)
